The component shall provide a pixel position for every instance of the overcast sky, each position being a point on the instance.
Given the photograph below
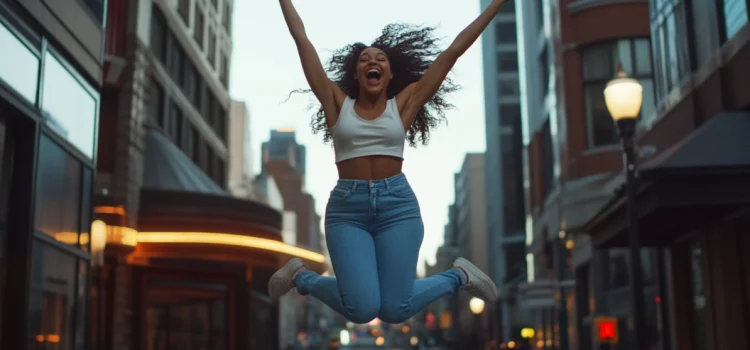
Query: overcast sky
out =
(265, 68)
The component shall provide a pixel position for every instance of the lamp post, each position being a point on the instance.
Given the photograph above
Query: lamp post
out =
(476, 306)
(624, 97)
(98, 243)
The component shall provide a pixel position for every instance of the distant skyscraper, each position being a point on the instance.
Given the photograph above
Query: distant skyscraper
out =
(283, 146)
(504, 156)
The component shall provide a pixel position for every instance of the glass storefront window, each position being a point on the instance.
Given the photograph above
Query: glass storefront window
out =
(52, 299)
(6, 171)
(19, 67)
(58, 188)
(69, 107)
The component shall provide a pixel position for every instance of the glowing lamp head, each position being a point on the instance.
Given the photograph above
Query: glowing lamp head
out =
(98, 241)
(476, 305)
(623, 96)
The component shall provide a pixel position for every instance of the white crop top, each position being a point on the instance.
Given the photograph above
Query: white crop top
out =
(355, 137)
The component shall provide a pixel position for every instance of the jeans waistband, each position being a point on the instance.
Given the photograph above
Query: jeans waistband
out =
(365, 185)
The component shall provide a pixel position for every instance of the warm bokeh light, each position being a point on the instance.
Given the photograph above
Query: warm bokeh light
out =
(414, 341)
(527, 333)
(405, 329)
(476, 305)
(380, 341)
(344, 337)
(511, 345)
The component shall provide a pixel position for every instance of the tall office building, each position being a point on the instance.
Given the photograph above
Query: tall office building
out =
(283, 146)
(503, 169)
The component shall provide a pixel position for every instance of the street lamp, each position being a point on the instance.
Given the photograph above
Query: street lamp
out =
(624, 97)
(98, 244)
(476, 305)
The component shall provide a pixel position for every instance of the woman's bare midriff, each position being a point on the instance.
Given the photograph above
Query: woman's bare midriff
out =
(369, 168)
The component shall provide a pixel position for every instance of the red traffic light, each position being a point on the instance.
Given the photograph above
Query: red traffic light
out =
(606, 330)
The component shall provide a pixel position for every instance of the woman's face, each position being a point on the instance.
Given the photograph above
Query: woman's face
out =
(373, 71)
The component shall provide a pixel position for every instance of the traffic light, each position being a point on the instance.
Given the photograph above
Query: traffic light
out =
(606, 330)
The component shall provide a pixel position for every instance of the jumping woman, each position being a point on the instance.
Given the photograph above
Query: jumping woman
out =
(378, 97)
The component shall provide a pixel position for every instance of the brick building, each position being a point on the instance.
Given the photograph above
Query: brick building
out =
(692, 201)
(573, 160)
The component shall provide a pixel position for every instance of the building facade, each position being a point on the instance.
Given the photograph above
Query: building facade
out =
(50, 91)
(572, 160)
(504, 182)
(692, 200)
(187, 260)
(240, 179)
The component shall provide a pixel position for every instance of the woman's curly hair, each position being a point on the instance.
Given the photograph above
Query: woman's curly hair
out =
(410, 50)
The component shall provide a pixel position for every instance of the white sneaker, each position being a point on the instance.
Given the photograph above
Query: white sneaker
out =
(479, 284)
(283, 280)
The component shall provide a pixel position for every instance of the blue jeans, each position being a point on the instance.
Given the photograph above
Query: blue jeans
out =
(374, 231)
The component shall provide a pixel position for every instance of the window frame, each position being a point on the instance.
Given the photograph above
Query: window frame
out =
(589, 82)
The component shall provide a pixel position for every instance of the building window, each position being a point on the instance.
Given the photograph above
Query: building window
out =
(671, 55)
(211, 47)
(191, 78)
(193, 147)
(505, 33)
(220, 121)
(183, 8)
(507, 62)
(199, 27)
(548, 159)
(59, 277)
(705, 29)
(224, 75)
(96, 9)
(735, 16)
(508, 86)
(544, 65)
(70, 106)
(159, 36)
(156, 103)
(177, 60)
(600, 63)
(175, 124)
(619, 265)
(226, 17)
(19, 66)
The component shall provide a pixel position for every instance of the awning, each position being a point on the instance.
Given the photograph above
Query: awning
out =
(181, 206)
(697, 181)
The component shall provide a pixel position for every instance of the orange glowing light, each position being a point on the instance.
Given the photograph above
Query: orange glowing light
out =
(115, 210)
(52, 338)
(229, 239)
(405, 329)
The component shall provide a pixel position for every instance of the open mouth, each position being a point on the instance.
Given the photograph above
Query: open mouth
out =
(373, 76)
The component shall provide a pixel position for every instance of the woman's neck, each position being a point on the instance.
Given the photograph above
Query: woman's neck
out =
(369, 101)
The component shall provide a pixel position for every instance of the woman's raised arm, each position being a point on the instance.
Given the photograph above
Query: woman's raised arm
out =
(418, 94)
(331, 97)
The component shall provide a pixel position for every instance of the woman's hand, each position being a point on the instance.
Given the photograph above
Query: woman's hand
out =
(418, 94)
(328, 94)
